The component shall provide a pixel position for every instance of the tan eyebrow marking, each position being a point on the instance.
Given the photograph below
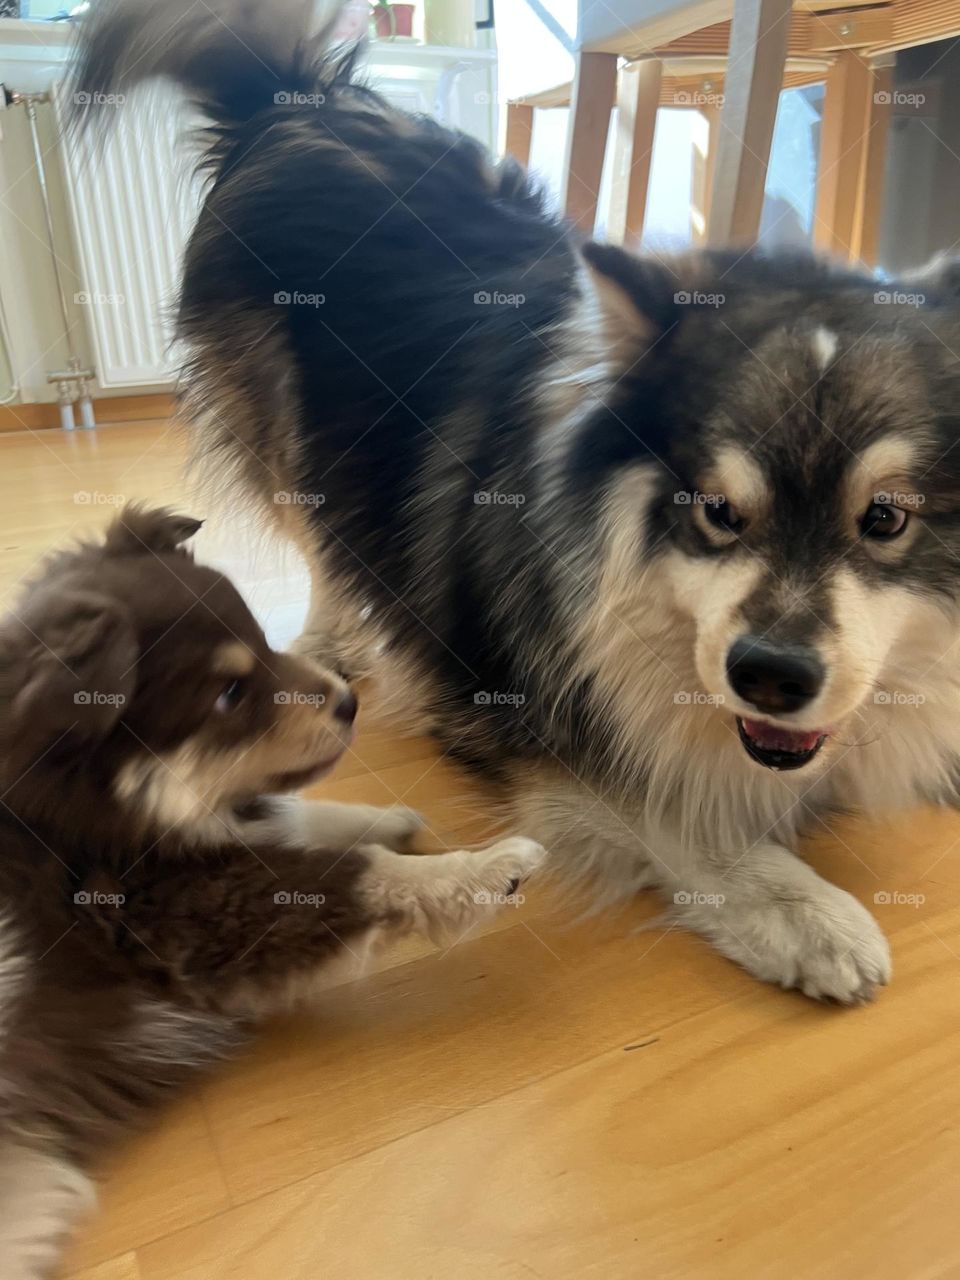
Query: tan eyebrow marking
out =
(737, 477)
(883, 468)
(233, 659)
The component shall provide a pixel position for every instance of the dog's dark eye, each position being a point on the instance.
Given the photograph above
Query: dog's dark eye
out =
(230, 696)
(723, 515)
(882, 521)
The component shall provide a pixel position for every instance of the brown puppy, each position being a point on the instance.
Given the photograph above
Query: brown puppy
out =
(156, 897)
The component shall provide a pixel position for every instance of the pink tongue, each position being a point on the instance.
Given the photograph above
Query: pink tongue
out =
(775, 739)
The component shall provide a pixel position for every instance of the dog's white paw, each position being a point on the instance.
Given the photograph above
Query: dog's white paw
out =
(824, 943)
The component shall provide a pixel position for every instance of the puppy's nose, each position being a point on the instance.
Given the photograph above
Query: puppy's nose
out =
(345, 708)
(773, 678)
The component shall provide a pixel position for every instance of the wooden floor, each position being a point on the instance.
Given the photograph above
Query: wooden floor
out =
(554, 1099)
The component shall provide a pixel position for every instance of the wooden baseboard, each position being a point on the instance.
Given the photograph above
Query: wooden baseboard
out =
(39, 417)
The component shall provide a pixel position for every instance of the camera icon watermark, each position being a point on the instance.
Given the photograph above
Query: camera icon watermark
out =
(87, 299)
(697, 698)
(897, 499)
(694, 498)
(296, 298)
(294, 498)
(294, 98)
(294, 898)
(94, 498)
(484, 898)
(93, 898)
(894, 898)
(697, 298)
(498, 698)
(495, 498)
(694, 898)
(897, 298)
(899, 98)
(94, 698)
(705, 97)
(297, 698)
(495, 298)
(84, 99)
(898, 698)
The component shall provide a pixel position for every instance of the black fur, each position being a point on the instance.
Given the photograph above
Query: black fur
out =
(397, 397)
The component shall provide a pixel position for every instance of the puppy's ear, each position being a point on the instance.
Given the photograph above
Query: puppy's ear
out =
(67, 671)
(637, 296)
(143, 529)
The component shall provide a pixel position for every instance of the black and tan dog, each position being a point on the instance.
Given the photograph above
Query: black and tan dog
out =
(669, 547)
(158, 893)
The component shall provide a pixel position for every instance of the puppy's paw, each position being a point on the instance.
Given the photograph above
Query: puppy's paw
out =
(824, 943)
(501, 868)
(446, 896)
(472, 886)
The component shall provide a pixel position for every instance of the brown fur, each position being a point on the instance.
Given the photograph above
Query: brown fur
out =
(147, 919)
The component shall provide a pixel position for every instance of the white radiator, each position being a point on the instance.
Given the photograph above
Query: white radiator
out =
(133, 202)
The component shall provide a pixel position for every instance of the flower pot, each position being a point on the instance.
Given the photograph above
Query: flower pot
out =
(451, 23)
(393, 20)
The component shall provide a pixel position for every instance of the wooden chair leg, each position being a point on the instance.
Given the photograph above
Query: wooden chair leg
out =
(638, 100)
(844, 136)
(758, 52)
(704, 173)
(519, 132)
(866, 228)
(594, 88)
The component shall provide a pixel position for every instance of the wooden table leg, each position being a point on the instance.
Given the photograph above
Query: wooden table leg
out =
(638, 101)
(758, 52)
(594, 88)
(519, 132)
(844, 138)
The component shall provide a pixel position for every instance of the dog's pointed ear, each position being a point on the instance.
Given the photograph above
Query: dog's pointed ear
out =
(939, 281)
(67, 671)
(636, 295)
(157, 529)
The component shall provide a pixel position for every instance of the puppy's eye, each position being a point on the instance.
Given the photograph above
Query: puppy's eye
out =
(723, 516)
(882, 521)
(230, 697)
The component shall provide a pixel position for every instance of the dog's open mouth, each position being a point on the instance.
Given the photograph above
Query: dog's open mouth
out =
(777, 748)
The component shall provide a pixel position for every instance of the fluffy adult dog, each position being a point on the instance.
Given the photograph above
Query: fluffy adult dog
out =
(157, 894)
(669, 548)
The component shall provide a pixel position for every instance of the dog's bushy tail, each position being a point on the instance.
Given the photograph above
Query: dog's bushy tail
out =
(234, 58)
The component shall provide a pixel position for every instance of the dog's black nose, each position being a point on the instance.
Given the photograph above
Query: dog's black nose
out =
(772, 678)
(346, 709)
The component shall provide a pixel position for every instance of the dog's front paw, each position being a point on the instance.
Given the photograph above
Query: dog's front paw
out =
(844, 957)
(824, 943)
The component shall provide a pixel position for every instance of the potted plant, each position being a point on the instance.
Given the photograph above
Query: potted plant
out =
(392, 20)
